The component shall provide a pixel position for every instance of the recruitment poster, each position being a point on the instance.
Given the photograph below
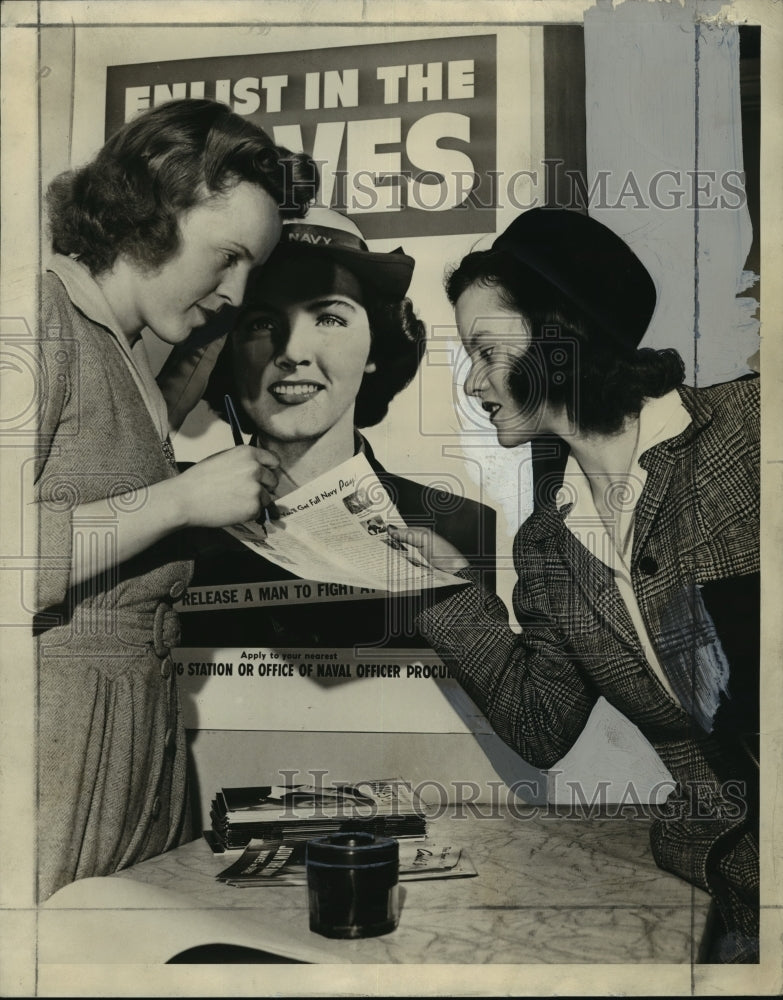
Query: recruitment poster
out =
(298, 648)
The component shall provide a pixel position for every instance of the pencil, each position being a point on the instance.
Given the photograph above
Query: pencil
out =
(236, 430)
(233, 420)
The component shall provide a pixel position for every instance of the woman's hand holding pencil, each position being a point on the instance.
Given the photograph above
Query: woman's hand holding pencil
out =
(231, 487)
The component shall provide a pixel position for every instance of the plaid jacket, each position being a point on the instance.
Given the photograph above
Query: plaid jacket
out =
(696, 524)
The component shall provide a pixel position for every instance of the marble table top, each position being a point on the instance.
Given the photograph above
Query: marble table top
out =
(549, 889)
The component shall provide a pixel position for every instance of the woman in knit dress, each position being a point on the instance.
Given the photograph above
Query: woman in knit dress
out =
(159, 230)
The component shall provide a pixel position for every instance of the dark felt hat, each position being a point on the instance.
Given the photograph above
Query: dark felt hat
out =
(326, 232)
(589, 264)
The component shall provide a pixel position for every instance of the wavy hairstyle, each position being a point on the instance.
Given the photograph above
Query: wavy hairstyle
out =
(571, 362)
(397, 340)
(128, 200)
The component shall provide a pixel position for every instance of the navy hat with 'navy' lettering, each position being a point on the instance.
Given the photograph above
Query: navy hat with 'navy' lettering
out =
(324, 231)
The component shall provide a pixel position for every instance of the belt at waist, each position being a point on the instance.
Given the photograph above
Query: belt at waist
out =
(157, 627)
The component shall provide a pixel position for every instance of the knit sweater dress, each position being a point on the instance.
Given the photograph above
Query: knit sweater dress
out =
(110, 740)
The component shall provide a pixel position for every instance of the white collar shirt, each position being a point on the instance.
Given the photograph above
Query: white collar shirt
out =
(612, 543)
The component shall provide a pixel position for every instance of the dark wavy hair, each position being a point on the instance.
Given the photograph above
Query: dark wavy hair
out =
(571, 362)
(397, 340)
(128, 200)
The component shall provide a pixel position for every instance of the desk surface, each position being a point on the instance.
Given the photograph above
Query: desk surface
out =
(549, 889)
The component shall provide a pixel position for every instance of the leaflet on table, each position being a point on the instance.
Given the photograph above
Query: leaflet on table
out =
(335, 529)
(282, 862)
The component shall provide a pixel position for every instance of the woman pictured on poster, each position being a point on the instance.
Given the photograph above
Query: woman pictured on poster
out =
(326, 338)
(639, 579)
(160, 230)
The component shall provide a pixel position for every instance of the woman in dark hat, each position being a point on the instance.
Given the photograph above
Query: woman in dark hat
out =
(325, 339)
(638, 577)
(159, 230)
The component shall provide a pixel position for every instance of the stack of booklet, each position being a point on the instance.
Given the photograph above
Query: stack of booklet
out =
(297, 812)
(282, 862)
